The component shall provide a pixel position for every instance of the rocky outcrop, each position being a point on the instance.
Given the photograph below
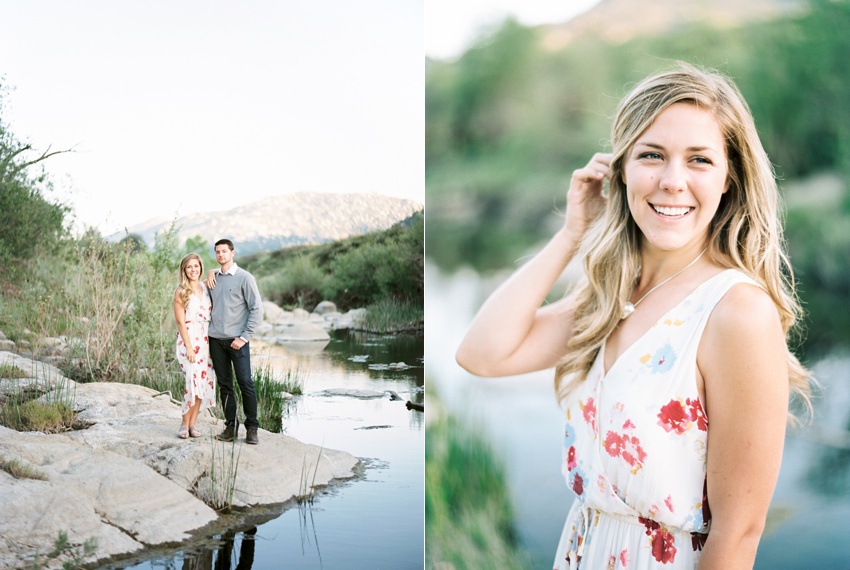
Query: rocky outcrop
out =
(127, 481)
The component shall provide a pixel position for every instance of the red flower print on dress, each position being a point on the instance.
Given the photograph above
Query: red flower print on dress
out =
(614, 444)
(578, 484)
(698, 541)
(697, 413)
(571, 458)
(678, 418)
(663, 543)
(588, 409)
(197, 349)
(624, 558)
(626, 446)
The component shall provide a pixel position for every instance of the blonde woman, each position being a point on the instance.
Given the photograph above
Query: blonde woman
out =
(671, 354)
(192, 309)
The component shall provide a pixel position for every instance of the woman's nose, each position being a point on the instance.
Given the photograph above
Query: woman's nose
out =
(674, 178)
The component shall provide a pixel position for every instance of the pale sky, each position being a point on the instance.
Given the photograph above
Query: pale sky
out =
(451, 25)
(181, 106)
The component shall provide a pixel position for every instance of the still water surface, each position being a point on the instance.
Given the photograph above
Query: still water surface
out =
(808, 520)
(373, 521)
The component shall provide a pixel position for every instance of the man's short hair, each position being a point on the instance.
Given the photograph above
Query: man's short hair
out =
(226, 242)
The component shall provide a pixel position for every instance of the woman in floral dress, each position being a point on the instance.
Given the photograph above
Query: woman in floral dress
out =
(670, 355)
(192, 308)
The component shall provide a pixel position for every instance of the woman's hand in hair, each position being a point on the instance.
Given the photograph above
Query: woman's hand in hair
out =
(585, 198)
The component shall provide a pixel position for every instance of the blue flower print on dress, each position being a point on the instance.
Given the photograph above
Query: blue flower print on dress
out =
(663, 359)
(569, 435)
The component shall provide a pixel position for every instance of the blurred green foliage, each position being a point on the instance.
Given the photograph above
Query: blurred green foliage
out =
(510, 119)
(468, 517)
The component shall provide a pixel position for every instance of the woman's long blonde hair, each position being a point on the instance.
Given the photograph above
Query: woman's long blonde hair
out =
(184, 288)
(745, 234)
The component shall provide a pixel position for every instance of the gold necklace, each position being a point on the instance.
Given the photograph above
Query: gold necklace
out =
(630, 307)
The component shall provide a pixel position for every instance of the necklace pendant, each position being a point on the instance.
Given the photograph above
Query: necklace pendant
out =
(628, 309)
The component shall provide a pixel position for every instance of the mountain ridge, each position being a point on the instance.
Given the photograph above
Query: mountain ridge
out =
(301, 218)
(618, 21)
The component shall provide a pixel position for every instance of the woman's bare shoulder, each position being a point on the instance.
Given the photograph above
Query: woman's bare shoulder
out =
(744, 309)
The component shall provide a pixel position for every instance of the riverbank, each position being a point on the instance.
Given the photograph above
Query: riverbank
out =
(125, 482)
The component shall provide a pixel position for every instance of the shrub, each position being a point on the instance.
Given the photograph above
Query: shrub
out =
(297, 284)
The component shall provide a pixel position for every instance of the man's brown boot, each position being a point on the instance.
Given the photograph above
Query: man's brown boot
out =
(251, 437)
(229, 434)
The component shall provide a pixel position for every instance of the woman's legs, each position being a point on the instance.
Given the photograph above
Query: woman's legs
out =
(192, 415)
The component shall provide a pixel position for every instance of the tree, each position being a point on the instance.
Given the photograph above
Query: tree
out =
(29, 223)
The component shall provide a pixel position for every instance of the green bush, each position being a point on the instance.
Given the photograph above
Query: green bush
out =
(468, 518)
(297, 284)
(353, 273)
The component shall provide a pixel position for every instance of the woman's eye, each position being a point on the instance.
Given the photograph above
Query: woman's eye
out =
(702, 160)
(650, 155)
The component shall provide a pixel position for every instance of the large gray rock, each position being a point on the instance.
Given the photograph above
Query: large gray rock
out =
(129, 482)
(274, 314)
(325, 307)
(303, 331)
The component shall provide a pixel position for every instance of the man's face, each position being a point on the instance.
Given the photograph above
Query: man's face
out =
(223, 254)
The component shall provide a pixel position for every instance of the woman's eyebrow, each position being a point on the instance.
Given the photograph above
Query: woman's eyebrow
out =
(689, 149)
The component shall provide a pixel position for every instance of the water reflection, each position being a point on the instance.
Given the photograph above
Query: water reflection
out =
(233, 554)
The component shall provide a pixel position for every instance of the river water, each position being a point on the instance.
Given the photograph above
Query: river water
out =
(375, 520)
(807, 522)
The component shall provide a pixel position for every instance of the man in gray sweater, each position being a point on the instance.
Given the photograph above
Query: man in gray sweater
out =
(237, 311)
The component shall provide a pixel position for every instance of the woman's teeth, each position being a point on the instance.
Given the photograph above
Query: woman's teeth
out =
(664, 211)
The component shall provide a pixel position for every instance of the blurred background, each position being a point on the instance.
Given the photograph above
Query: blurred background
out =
(508, 118)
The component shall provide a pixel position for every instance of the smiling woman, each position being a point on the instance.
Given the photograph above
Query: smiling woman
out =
(687, 237)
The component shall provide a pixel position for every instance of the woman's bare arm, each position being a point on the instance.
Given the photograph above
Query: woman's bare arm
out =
(512, 334)
(742, 358)
(180, 318)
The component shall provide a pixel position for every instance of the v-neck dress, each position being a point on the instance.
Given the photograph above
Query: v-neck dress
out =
(200, 376)
(635, 448)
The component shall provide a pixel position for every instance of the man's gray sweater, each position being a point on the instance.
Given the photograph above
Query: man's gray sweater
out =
(237, 308)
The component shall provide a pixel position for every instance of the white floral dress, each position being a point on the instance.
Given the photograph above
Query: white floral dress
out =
(635, 448)
(200, 376)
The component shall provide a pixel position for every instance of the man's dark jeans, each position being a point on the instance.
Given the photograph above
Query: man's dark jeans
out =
(226, 360)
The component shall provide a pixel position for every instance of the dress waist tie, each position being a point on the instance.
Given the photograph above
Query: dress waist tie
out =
(583, 526)
(576, 549)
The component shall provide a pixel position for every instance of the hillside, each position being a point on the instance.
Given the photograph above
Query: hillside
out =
(618, 21)
(287, 220)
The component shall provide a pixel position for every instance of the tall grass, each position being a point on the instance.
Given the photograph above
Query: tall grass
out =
(307, 489)
(218, 487)
(270, 388)
(468, 518)
(25, 409)
(393, 315)
(11, 371)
